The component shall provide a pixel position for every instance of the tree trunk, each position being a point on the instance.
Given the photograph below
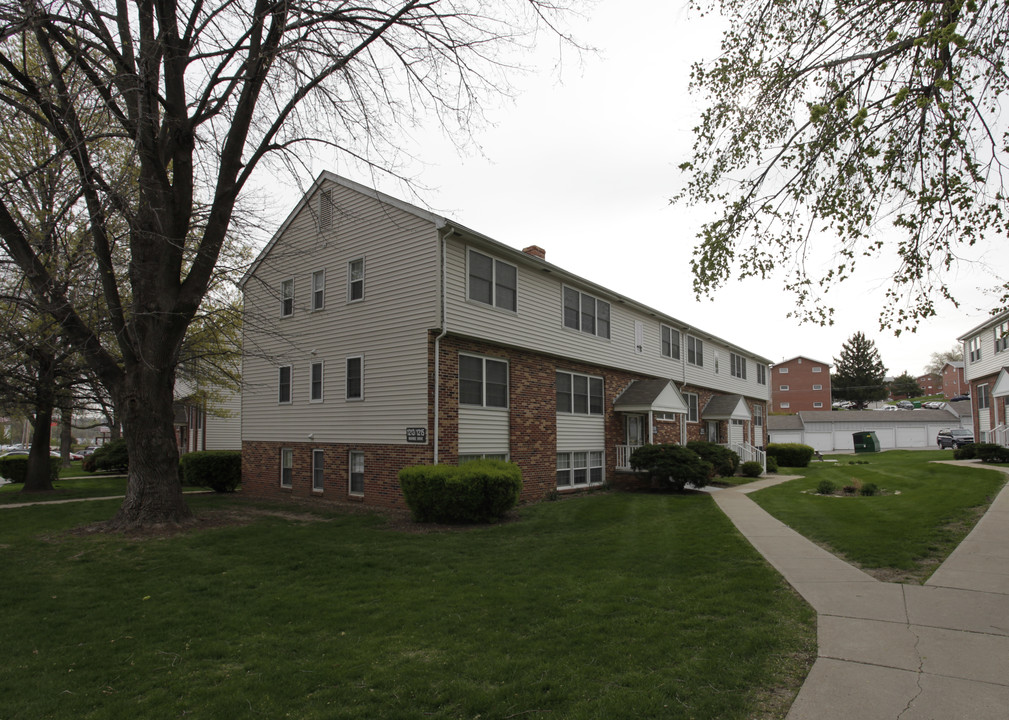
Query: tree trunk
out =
(37, 479)
(153, 492)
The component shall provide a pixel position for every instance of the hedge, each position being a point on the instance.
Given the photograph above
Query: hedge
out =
(725, 461)
(991, 453)
(790, 454)
(219, 470)
(15, 468)
(477, 491)
(110, 456)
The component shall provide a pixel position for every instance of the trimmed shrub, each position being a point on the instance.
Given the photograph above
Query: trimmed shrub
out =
(219, 470)
(790, 454)
(15, 468)
(725, 461)
(111, 456)
(991, 453)
(88, 463)
(672, 465)
(772, 464)
(869, 489)
(752, 469)
(478, 491)
(825, 487)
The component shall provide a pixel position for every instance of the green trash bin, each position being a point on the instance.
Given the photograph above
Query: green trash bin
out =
(865, 441)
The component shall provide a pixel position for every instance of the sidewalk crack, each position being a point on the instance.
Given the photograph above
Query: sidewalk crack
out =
(917, 652)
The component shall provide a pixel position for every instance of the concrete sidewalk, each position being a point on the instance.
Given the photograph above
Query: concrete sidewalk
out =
(938, 651)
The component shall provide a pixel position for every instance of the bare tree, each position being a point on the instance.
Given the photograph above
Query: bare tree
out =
(202, 94)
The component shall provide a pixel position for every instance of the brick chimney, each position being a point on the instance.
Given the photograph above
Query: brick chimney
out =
(535, 251)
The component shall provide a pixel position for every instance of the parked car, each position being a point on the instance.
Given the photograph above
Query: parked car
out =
(905, 405)
(88, 450)
(889, 407)
(14, 452)
(954, 437)
(960, 397)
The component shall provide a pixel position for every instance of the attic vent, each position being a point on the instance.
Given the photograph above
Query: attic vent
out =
(535, 251)
(325, 209)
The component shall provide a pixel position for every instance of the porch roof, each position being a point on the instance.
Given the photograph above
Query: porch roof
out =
(726, 407)
(650, 395)
(1001, 387)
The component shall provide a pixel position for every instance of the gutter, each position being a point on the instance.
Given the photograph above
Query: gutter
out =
(443, 234)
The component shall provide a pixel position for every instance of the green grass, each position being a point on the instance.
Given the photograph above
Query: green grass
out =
(611, 605)
(906, 534)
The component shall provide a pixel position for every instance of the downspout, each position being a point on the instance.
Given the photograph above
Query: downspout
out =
(443, 238)
(683, 389)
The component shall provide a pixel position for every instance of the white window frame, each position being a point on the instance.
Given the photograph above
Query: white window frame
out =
(695, 350)
(472, 457)
(783, 370)
(974, 349)
(818, 387)
(758, 416)
(592, 462)
(693, 407)
(817, 368)
(784, 406)
(783, 388)
(494, 281)
(287, 297)
(357, 280)
(287, 463)
(290, 384)
(318, 470)
(983, 397)
(589, 395)
(483, 381)
(346, 379)
(1002, 337)
(312, 397)
(318, 290)
(351, 472)
(738, 365)
(667, 334)
(761, 374)
(599, 308)
(817, 404)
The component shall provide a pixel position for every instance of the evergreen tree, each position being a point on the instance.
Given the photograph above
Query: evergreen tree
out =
(859, 372)
(905, 386)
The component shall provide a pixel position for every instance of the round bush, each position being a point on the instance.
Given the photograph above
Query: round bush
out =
(869, 489)
(111, 456)
(478, 491)
(772, 464)
(724, 461)
(752, 469)
(825, 487)
(672, 465)
(219, 470)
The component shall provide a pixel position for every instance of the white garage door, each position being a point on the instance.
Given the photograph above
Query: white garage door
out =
(822, 441)
(911, 437)
(780, 436)
(887, 439)
(843, 440)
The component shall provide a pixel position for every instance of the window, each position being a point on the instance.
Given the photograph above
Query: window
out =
(974, 349)
(818, 404)
(355, 482)
(692, 411)
(1002, 337)
(586, 313)
(758, 415)
(783, 387)
(738, 363)
(784, 406)
(482, 456)
(983, 397)
(761, 374)
(716, 361)
(483, 381)
(818, 387)
(355, 378)
(579, 394)
(318, 289)
(325, 209)
(579, 468)
(817, 369)
(317, 470)
(284, 384)
(287, 298)
(670, 342)
(286, 467)
(492, 282)
(783, 370)
(315, 394)
(355, 280)
(695, 351)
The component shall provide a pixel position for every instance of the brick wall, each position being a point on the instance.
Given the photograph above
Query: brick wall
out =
(953, 382)
(800, 380)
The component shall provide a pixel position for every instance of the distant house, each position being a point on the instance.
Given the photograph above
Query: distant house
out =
(832, 431)
(206, 419)
(953, 382)
(379, 335)
(930, 384)
(800, 383)
(986, 371)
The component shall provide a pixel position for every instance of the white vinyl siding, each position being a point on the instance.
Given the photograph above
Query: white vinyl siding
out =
(578, 432)
(483, 430)
(390, 328)
(224, 423)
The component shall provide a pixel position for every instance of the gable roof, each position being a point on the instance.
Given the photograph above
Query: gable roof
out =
(885, 416)
(655, 395)
(784, 422)
(726, 407)
(1001, 386)
(990, 322)
(505, 251)
(802, 357)
(953, 364)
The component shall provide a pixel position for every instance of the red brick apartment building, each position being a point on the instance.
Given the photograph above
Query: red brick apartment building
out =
(930, 383)
(953, 382)
(800, 384)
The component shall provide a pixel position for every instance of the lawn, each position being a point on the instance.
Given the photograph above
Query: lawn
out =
(611, 605)
(903, 534)
(73, 486)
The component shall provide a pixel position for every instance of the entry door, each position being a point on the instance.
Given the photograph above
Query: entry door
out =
(713, 431)
(635, 425)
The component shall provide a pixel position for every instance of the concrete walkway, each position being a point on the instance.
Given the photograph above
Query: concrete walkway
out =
(938, 651)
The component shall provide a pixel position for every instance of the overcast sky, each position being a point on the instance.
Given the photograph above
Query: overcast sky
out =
(583, 163)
